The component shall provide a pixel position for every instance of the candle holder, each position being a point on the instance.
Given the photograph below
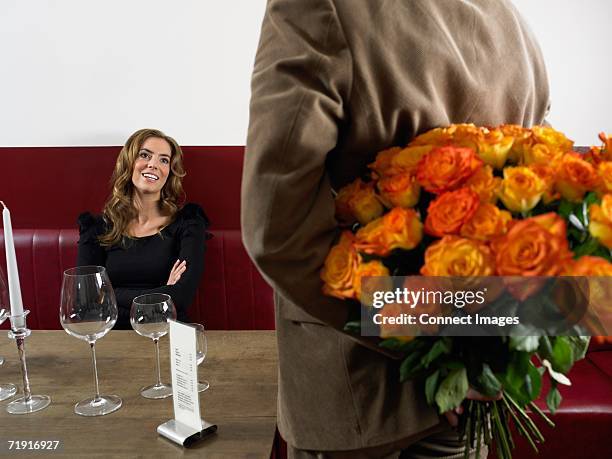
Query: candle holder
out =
(28, 403)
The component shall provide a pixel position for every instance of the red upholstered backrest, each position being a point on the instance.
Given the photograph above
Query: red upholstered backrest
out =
(50, 187)
(46, 189)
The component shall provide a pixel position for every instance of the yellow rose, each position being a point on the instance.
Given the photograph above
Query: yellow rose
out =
(551, 138)
(574, 177)
(407, 159)
(487, 223)
(494, 147)
(541, 153)
(600, 221)
(400, 190)
(457, 256)
(604, 170)
(398, 229)
(373, 268)
(521, 189)
(358, 201)
(522, 139)
(339, 268)
(484, 184)
(435, 137)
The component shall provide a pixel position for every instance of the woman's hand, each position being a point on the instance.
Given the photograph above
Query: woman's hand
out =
(177, 270)
(452, 416)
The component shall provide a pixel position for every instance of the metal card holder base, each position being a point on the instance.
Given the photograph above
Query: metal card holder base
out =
(185, 435)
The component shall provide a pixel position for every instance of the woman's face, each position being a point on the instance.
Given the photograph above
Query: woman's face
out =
(152, 166)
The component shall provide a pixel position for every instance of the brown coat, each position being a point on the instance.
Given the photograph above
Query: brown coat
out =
(336, 81)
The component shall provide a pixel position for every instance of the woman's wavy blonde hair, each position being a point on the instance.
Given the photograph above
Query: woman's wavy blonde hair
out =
(119, 209)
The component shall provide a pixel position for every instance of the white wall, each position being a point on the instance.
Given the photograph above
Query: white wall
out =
(77, 72)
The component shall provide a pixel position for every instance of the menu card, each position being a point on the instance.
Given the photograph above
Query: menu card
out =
(184, 375)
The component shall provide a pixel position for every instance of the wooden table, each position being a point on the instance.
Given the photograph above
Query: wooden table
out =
(241, 367)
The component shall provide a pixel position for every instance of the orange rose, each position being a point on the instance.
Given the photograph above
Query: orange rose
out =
(589, 266)
(456, 256)
(466, 135)
(600, 221)
(448, 212)
(373, 268)
(607, 140)
(401, 332)
(535, 246)
(598, 292)
(521, 189)
(487, 223)
(358, 201)
(404, 161)
(398, 229)
(547, 174)
(484, 184)
(339, 268)
(383, 161)
(575, 177)
(604, 170)
(446, 168)
(400, 190)
(494, 147)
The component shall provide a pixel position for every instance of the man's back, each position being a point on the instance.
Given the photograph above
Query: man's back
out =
(336, 81)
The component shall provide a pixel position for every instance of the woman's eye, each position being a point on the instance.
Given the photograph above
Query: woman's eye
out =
(165, 161)
(143, 154)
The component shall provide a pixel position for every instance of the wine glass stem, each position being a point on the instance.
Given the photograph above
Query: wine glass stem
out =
(156, 342)
(95, 370)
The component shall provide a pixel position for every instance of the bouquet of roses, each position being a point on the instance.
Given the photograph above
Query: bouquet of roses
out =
(468, 201)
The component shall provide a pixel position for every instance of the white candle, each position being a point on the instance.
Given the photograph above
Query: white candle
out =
(11, 264)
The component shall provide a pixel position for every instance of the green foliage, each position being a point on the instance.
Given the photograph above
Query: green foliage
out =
(440, 347)
(562, 357)
(431, 386)
(487, 383)
(553, 399)
(524, 343)
(452, 390)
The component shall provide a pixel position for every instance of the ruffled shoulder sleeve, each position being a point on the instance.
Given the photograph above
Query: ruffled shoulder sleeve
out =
(193, 215)
(90, 226)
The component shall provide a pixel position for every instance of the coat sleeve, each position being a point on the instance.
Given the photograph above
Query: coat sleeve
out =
(301, 80)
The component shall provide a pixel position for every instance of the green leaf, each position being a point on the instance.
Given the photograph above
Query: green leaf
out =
(553, 399)
(565, 209)
(440, 347)
(524, 343)
(562, 355)
(590, 198)
(579, 345)
(431, 384)
(487, 382)
(353, 327)
(586, 248)
(452, 391)
(410, 366)
(533, 382)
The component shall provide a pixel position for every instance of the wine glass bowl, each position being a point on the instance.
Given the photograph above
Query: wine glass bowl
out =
(149, 317)
(88, 311)
(201, 350)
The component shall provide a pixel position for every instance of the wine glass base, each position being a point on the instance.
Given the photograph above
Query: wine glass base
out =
(7, 391)
(104, 405)
(21, 406)
(203, 385)
(157, 391)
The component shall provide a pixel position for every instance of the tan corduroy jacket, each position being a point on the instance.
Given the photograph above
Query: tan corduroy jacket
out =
(336, 81)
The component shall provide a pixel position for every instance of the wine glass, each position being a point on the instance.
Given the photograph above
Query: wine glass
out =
(6, 390)
(88, 311)
(201, 349)
(149, 317)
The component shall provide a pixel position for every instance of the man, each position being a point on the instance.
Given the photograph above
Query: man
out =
(336, 81)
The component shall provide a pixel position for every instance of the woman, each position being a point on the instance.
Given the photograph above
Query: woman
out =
(147, 243)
